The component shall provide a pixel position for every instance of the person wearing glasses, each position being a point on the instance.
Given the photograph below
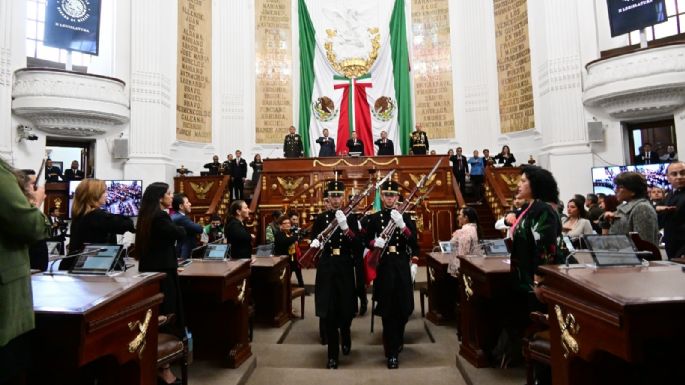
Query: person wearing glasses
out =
(636, 213)
(392, 288)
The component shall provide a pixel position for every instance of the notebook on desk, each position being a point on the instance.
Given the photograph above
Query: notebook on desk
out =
(100, 259)
(612, 250)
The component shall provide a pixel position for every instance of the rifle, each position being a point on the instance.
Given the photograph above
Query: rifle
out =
(310, 256)
(386, 234)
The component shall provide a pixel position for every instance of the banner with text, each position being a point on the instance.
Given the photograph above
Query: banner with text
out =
(73, 25)
(194, 71)
(273, 50)
(513, 66)
(432, 67)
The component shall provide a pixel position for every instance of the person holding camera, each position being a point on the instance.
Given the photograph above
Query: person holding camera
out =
(214, 231)
(286, 243)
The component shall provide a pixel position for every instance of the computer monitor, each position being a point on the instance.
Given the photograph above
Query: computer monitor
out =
(98, 259)
(495, 247)
(603, 246)
(218, 251)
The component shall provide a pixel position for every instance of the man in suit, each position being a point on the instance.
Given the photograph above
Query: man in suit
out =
(647, 156)
(292, 145)
(73, 173)
(355, 145)
(214, 166)
(672, 212)
(52, 173)
(226, 166)
(487, 159)
(181, 206)
(460, 167)
(238, 175)
(327, 144)
(419, 141)
(385, 146)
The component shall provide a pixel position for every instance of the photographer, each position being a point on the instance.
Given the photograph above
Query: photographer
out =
(286, 243)
(214, 230)
(295, 224)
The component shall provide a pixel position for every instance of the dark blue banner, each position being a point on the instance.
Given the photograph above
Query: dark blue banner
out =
(73, 25)
(629, 15)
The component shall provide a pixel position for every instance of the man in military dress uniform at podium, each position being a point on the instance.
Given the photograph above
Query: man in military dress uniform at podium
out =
(292, 145)
(335, 298)
(392, 288)
(419, 141)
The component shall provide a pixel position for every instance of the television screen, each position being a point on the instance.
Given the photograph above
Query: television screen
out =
(123, 196)
(603, 177)
(630, 15)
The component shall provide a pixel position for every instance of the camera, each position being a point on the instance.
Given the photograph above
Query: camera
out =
(32, 137)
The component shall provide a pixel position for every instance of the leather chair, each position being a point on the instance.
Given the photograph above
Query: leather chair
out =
(643, 245)
(171, 348)
(536, 345)
(298, 292)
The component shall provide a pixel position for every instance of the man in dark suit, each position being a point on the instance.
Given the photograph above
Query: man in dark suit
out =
(385, 146)
(355, 145)
(52, 173)
(73, 173)
(238, 175)
(226, 166)
(647, 156)
(181, 206)
(292, 145)
(419, 141)
(327, 144)
(460, 167)
(487, 159)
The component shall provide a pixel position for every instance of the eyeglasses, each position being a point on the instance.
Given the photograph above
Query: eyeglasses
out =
(674, 174)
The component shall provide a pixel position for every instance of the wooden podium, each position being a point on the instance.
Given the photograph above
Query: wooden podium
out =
(216, 296)
(619, 325)
(443, 289)
(270, 279)
(96, 326)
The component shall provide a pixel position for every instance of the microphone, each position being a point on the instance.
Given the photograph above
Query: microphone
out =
(612, 252)
(83, 253)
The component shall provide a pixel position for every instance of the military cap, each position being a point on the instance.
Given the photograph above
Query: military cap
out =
(390, 186)
(335, 187)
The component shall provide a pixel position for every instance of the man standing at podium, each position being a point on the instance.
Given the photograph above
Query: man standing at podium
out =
(419, 141)
(292, 144)
(327, 144)
(335, 298)
(355, 145)
(385, 146)
(392, 288)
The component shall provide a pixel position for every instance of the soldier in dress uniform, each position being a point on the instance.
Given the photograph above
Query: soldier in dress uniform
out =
(335, 299)
(392, 288)
(419, 141)
(214, 166)
(292, 145)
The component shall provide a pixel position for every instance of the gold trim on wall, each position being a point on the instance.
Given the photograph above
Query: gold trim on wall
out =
(335, 164)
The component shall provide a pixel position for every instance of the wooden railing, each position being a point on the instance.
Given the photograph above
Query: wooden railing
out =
(500, 185)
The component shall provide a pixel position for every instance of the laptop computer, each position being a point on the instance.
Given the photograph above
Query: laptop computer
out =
(99, 259)
(447, 247)
(217, 251)
(495, 247)
(612, 250)
(264, 250)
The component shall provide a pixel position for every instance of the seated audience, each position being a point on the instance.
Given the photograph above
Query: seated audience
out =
(635, 214)
(180, 217)
(214, 230)
(575, 224)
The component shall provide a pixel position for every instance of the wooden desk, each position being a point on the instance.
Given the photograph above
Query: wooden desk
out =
(98, 326)
(484, 300)
(270, 281)
(622, 325)
(216, 297)
(443, 289)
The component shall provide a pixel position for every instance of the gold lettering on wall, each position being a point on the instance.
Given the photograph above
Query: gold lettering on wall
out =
(273, 49)
(194, 71)
(513, 66)
(432, 67)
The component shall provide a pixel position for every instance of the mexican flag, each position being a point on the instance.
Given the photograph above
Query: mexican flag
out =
(354, 73)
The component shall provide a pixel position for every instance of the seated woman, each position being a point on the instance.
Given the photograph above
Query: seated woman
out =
(90, 223)
(636, 213)
(286, 244)
(575, 224)
(466, 237)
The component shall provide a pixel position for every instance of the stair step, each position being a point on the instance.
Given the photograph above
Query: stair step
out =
(348, 375)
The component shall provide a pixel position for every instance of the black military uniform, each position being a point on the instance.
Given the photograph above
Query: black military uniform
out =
(292, 146)
(359, 267)
(53, 174)
(419, 143)
(385, 147)
(334, 288)
(392, 288)
(213, 168)
(355, 146)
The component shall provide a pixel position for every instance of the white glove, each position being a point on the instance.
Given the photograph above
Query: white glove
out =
(379, 242)
(342, 220)
(315, 244)
(397, 218)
